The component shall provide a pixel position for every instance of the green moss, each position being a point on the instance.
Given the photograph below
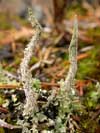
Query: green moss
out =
(11, 69)
(86, 68)
(89, 67)
(89, 126)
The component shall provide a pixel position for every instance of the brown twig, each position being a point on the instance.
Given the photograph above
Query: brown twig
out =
(9, 86)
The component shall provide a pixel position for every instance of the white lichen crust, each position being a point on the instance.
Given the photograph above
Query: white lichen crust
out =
(25, 75)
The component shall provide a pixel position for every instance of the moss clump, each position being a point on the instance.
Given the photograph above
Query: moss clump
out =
(92, 97)
(89, 67)
(89, 126)
(86, 68)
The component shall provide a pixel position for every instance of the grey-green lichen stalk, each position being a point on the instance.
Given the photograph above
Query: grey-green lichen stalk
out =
(67, 97)
(26, 76)
(68, 83)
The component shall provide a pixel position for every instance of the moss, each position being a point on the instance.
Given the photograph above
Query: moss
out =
(89, 126)
(86, 68)
(89, 67)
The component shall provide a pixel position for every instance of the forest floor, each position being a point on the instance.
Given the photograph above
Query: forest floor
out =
(50, 64)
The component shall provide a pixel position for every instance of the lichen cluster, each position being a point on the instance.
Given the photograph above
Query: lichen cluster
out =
(65, 100)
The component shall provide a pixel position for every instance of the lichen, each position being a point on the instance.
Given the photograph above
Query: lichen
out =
(25, 74)
(67, 98)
